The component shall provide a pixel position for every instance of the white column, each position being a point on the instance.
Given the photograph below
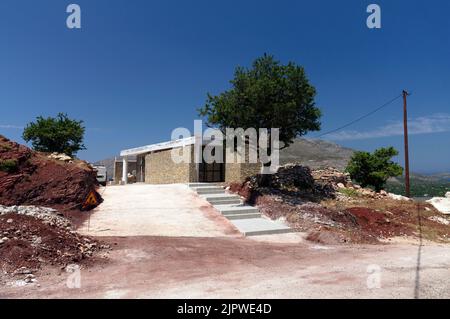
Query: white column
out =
(125, 170)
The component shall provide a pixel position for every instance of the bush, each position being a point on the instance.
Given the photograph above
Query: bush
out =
(8, 166)
(60, 134)
(374, 169)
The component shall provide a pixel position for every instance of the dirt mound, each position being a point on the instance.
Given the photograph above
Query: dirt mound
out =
(378, 224)
(32, 178)
(29, 243)
(331, 209)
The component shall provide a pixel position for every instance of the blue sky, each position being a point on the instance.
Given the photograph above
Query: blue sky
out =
(138, 69)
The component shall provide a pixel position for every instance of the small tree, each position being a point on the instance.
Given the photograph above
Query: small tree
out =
(59, 134)
(267, 95)
(374, 169)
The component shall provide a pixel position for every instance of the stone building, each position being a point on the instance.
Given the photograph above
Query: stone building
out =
(155, 165)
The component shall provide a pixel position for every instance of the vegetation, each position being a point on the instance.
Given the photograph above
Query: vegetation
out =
(8, 165)
(349, 192)
(374, 169)
(267, 95)
(420, 188)
(59, 134)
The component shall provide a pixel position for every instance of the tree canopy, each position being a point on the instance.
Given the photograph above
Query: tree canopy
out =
(374, 169)
(267, 95)
(60, 134)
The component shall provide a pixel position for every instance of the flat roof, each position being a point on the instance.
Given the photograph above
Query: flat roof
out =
(159, 146)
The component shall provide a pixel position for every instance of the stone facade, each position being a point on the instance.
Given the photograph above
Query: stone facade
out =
(161, 169)
(157, 167)
(240, 171)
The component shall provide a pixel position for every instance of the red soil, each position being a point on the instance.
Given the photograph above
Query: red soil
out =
(35, 179)
(32, 243)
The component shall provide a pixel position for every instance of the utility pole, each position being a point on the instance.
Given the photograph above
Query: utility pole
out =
(405, 125)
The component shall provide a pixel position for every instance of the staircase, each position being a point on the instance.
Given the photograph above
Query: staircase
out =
(247, 219)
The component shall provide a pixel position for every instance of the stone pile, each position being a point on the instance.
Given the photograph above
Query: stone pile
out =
(293, 176)
(331, 176)
(49, 216)
(60, 157)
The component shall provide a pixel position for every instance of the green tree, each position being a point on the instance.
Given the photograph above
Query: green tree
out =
(267, 95)
(59, 134)
(374, 169)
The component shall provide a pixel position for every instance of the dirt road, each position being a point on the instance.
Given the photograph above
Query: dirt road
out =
(193, 253)
(155, 210)
(168, 267)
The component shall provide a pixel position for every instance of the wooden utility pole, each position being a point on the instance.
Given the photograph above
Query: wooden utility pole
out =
(405, 125)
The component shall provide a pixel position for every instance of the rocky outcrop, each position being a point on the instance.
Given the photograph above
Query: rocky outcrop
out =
(32, 178)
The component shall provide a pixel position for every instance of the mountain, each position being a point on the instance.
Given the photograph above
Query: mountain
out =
(316, 154)
(421, 185)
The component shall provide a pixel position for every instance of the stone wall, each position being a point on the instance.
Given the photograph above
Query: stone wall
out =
(238, 172)
(161, 169)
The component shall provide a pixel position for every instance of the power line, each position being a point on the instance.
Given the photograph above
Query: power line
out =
(362, 117)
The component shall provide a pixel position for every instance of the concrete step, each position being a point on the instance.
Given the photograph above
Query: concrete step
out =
(220, 206)
(198, 185)
(260, 226)
(219, 197)
(234, 210)
(243, 216)
(209, 190)
(225, 201)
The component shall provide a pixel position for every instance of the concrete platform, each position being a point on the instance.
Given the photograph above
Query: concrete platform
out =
(260, 226)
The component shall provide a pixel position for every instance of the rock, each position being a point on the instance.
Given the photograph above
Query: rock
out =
(340, 185)
(383, 193)
(399, 197)
(48, 215)
(60, 157)
(357, 186)
(442, 204)
(447, 195)
(439, 220)
(5, 239)
(367, 192)
(23, 271)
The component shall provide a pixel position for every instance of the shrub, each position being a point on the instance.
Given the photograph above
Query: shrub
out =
(8, 166)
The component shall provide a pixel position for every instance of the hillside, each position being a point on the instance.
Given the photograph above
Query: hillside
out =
(421, 185)
(316, 154)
